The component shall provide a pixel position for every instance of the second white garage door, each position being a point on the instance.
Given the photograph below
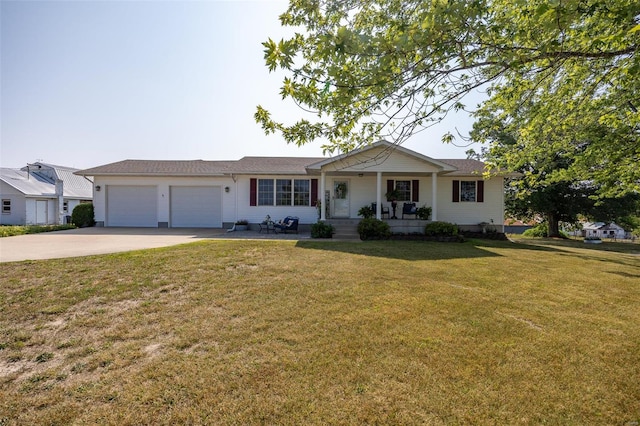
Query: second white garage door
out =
(132, 206)
(196, 207)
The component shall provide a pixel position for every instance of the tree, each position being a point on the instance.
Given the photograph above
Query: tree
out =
(545, 187)
(365, 70)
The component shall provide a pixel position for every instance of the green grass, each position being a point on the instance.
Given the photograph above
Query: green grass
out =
(284, 332)
(13, 230)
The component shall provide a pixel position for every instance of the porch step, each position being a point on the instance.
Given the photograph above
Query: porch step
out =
(345, 229)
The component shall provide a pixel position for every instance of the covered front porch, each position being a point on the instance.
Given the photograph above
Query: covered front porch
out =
(363, 178)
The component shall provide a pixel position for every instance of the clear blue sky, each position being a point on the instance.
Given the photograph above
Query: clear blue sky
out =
(85, 83)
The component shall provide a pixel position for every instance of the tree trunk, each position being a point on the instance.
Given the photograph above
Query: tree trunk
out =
(554, 226)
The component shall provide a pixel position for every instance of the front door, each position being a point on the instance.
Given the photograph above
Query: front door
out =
(340, 198)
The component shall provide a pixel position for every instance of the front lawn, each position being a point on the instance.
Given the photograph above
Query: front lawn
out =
(324, 332)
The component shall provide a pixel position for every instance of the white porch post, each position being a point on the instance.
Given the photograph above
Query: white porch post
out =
(323, 208)
(378, 198)
(434, 196)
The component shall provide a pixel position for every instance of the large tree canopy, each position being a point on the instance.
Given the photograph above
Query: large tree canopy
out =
(364, 70)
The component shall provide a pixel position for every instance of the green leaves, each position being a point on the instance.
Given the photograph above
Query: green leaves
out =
(389, 68)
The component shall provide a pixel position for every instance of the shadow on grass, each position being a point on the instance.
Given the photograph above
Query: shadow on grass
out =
(419, 250)
(577, 248)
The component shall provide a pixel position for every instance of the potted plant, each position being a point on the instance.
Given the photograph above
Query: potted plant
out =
(242, 225)
(393, 196)
(366, 212)
(423, 212)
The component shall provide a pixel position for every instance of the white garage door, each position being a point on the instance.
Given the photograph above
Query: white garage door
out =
(196, 207)
(132, 206)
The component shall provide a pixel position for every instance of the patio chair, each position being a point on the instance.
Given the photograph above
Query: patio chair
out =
(383, 210)
(289, 223)
(409, 209)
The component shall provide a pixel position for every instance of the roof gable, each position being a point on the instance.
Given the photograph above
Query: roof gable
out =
(382, 156)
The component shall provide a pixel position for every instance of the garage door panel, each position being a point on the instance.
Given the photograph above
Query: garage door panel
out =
(196, 207)
(132, 205)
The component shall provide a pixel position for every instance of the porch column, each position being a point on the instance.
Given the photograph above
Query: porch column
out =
(434, 196)
(378, 199)
(323, 208)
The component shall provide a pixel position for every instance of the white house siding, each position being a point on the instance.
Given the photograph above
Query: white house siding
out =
(18, 215)
(471, 213)
(163, 201)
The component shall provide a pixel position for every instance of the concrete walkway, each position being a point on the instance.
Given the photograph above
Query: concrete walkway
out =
(90, 241)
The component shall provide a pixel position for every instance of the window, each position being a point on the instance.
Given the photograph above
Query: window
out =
(282, 192)
(404, 190)
(468, 190)
(6, 206)
(265, 192)
(301, 192)
(471, 191)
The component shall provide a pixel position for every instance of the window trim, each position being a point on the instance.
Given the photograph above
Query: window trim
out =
(6, 202)
(457, 191)
(414, 188)
(293, 196)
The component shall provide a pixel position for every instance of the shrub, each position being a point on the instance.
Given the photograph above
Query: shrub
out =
(366, 212)
(423, 212)
(440, 229)
(541, 231)
(321, 230)
(82, 215)
(373, 229)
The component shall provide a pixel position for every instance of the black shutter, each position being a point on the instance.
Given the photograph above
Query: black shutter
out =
(415, 191)
(253, 192)
(456, 191)
(314, 192)
(480, 190)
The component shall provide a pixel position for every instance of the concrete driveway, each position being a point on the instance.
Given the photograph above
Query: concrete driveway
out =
(89, 241)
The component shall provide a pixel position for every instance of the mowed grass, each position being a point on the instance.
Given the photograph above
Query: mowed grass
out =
(285, 332)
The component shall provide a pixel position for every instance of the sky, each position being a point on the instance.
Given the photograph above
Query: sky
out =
(87, 83)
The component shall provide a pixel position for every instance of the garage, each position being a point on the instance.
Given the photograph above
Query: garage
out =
(132, 205)
(196, 206)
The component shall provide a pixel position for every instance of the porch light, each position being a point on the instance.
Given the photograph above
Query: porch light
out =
(97, 188)
(227, 189)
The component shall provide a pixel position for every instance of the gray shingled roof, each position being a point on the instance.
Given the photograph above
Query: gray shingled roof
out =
(246, 165)
(465, 167)
(161, 168)
(274, 165)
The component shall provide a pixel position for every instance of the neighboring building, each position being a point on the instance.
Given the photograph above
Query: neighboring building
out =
(41, 194)
(217, 193)
(517, 226)
(603, 230)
